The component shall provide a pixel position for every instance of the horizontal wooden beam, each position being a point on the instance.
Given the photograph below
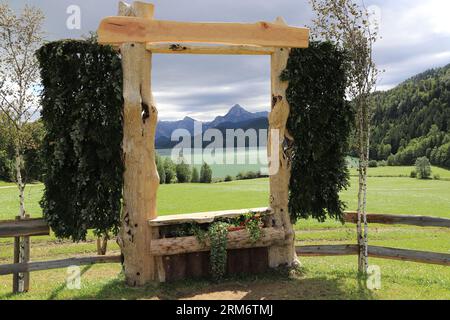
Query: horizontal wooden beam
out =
(117, 30)
(56, 264)
(23, 228)
(236, 240)
(203, 217)
(376, 252)
(421, 221)
(327, 250)
(176, 48)
(410, 255)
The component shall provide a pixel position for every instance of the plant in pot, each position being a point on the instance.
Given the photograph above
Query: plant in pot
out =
(250, 221)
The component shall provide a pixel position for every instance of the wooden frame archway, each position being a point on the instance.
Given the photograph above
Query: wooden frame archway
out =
(139, 36)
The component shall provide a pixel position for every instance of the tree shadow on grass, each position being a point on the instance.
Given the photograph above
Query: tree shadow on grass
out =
(58, 290)
(53, 295)
(263, 287)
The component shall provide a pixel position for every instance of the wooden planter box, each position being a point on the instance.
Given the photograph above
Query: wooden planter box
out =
(186, 257)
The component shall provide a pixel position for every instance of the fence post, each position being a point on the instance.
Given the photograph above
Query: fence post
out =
(26, 259)
(16, 260)
(21, 280)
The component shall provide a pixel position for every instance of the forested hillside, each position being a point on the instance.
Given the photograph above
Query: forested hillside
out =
(413, 120)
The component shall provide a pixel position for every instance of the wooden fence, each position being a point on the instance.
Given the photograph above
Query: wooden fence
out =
(383, 252)
(21, 230)
(38, 227)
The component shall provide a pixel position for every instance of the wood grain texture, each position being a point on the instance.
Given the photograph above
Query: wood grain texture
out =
(376, 252)
(279, 161)
(141, 180)
(196, 265)
(420, 221)
(116, 30)
(203, 217)
(177, 48)
(22, 228)
(327, 250)
(56, 264)
(236, 240)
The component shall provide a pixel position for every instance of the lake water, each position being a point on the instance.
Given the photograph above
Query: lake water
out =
(230, 162)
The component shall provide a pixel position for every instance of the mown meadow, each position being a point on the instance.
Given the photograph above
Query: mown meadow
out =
(390, 191)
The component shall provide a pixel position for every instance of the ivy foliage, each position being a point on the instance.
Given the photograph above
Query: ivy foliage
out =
(218, 233)
(82, 113)
(320, 122)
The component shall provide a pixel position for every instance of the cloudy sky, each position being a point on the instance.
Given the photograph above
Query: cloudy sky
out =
(415, 37)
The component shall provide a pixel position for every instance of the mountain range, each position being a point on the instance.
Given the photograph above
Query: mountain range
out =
(236, 118)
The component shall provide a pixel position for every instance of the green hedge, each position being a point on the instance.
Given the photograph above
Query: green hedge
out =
(82, 113)
(320, 122)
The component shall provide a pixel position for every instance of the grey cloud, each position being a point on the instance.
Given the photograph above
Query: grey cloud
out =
(192, 84)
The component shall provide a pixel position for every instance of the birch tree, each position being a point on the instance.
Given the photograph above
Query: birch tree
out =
(349, 24)
(20, 36)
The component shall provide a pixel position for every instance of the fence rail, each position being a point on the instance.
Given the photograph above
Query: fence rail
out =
(24, 228)
(376, 252)
(384, 252)
(38, 227)
(56, 264)
(420, 221)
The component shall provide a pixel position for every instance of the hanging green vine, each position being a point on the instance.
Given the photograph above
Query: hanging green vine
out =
(82, 114)
(217, 233)
(320, 122)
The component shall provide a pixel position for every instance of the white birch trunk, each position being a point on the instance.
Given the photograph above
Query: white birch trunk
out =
(362, 224)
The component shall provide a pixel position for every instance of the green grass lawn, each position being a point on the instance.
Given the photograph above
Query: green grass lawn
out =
(386, 195)
(323, 278)
(401, 172)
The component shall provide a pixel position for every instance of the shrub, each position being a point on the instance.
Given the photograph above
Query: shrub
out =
(373, 164)
(437, 177)
(205, 173)
(228, 178)
(248, 175)
(161, 173)
(195, 176)
(251, 175)
(391, 161)
(170, 170)
(423, 168)
(183, 172)
(382, 163)
(160, 168)
(413, 174)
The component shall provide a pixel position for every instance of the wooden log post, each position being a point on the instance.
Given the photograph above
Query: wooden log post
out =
(279, 162)
(141, 178)
(21, 280)
(16, 260)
